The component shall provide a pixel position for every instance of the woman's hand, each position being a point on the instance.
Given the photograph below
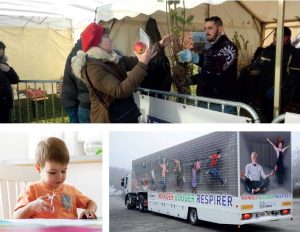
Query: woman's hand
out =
(165, 41)
(146, 56)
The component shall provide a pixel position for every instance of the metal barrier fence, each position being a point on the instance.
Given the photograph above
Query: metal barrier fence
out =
(38, 101)
(279, 119)
(33, 96)
(208, 103)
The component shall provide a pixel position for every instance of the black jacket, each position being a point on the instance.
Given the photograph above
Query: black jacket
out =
(6, 79)
(267, 72)
(159, 74)
(218, 76)
(74, 90)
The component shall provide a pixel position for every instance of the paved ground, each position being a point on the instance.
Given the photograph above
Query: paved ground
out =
(123, 220)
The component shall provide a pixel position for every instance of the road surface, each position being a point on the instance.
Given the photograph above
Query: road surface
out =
(124, 220)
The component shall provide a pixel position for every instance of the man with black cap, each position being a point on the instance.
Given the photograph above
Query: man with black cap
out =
(8, 76)
(266, 85)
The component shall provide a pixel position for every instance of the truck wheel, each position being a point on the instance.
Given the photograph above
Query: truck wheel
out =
(192, 216)
(128, 205)
(141, 204)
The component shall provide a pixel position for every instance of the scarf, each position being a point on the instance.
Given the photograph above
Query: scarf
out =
(79, 60)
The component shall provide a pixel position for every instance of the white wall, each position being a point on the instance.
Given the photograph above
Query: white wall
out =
(21, 145)
(87, 178)
(13, 145)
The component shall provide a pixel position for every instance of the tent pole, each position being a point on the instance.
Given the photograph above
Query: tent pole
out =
(278, 57)
(262, 34)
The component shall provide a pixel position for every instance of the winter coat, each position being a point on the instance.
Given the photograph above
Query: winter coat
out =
(6, 80)
(107, 73)
(268, 66)
(218, 76)
(159, 74)
(74, 90)
(109, 82)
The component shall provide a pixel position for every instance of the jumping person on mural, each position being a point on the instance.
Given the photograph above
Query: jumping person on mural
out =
(178, 174)
(279, 168)
(255, 178)
(164, 171)
(195, 169)
(218, 75)
(8, 76)
(213, 170)
(104, 71)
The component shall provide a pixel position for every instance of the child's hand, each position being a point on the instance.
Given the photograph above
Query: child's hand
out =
(41, 205)
(88, 214)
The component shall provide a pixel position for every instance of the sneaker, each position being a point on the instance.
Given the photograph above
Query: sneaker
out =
(224, 182)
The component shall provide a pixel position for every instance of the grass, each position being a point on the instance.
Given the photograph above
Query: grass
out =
(28, 111)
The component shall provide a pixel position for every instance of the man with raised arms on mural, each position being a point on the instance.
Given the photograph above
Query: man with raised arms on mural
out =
(255, 178)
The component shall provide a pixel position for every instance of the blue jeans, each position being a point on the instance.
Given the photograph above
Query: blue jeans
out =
(72, 114)
(214, 172)
(84, 115)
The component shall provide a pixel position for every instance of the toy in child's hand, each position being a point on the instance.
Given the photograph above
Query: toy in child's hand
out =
(51, 198)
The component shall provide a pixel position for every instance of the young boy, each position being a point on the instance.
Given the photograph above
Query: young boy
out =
(50, 197)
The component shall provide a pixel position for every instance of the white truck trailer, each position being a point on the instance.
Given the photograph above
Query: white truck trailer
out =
(215, 178)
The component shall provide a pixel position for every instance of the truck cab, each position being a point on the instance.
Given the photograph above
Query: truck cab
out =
(133, 198)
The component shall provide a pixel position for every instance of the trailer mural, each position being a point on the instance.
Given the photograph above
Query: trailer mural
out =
(265, 163)
(204, 165)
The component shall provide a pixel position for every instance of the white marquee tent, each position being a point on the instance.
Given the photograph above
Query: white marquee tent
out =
(39, 34)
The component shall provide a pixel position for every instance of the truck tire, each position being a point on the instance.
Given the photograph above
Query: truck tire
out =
(141, 204)
(128, 204)
(193, 216)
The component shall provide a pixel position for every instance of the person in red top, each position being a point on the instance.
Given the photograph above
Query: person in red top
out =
(213, 170)
(51, 197)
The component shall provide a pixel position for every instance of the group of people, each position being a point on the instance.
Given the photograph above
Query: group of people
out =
(102, 70)
(212, 170)
(256, 181)
(99, 81)
(257, 80)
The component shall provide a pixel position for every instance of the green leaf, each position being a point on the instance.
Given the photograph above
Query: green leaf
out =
(189, 19)
(180, 19)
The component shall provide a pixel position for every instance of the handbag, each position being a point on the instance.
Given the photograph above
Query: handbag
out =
(120, 110)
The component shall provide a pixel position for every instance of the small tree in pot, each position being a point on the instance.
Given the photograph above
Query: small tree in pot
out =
(178, 24)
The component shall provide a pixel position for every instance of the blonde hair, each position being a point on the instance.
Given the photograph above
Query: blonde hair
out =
(51, 149)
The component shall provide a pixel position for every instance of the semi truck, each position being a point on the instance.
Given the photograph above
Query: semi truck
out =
(222, 177)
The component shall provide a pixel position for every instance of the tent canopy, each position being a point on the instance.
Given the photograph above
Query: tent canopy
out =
(76, 13)
(39, 34)
(121, 8)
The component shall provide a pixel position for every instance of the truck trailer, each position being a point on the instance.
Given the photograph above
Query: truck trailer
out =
(222, 177)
